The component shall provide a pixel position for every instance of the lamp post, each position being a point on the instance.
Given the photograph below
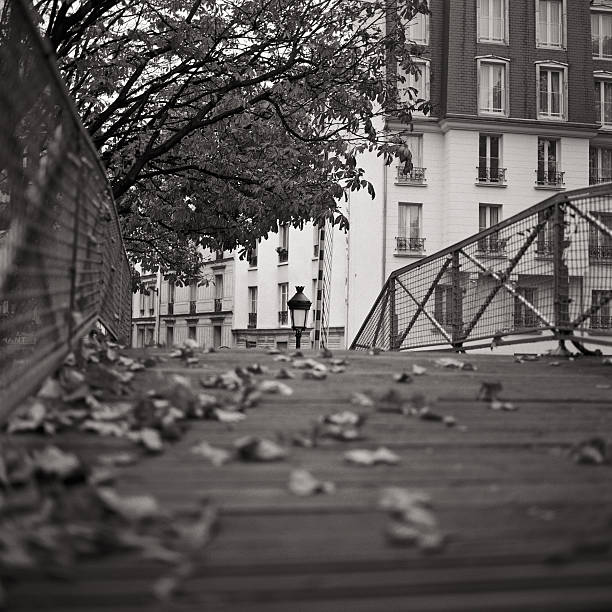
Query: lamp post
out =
(299, 305)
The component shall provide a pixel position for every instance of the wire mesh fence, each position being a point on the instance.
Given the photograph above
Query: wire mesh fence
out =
(62, 262)
(543, 274)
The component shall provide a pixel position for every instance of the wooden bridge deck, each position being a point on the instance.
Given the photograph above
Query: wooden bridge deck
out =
(527, 528)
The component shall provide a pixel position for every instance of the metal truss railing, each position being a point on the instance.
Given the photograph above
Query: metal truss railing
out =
(63, 267)
(551, 280)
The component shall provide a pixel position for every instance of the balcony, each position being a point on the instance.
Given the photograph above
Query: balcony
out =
(544, 248)
(596, 178)
(601, 321)
(409, 245)
(549, 177)
(283, 254)
(170, 308)
(218, 255)
(600, 251)
(192, 307)
(283, 317)
(218, 304)
(490, 176)
(415, 177)
(492, 245)
(252, 320)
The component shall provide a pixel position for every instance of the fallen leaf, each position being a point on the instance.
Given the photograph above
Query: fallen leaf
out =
(151, 440)
(283, 373)
(52, 461)
(314, 375)
(402, 377)
(217, 456)
(303, 483)
(362, 399)
(489, 390)
(117, 459)
(450, 421)
(273, 386)
(593, 451)
(282, 358)
(418, 370)
(367, 457)
(228, 416)
(337, 369)
(456, 364)
(499, 405)
(273, 351)
(51, 389)
(29, 417)
(251, 448)
(134, 508)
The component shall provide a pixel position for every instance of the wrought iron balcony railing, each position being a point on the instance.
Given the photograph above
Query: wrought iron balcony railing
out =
(549, 178)
(283, 317)
(491, 176)
(544, 248)
(600, 251)
(415, 177)
(252, 320)
(192, 307)
(492, 245)
(601, 321)
(404, 244)
(218, 304)
(596, 178)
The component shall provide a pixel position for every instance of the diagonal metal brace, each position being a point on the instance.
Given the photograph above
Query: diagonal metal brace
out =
(425, 300)
(591, 219)
(426, 313)
(507, 287)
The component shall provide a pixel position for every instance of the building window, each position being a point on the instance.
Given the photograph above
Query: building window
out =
(600, 244)
(443, 305)
(488, 216)
(316, 231)
(548, 173)
(525, 317)
(600, 165)
(545, 240)
(414, 85)
(417, 29)
(492, 90)
(314, 301)
(143, 301)
(601, 32)
(600, 303)
(283, 296)
(603, 102)
(219, 292)
(191, 332)
(283, 243)
(171, 288)
(409, 237)
(489, 160)
(551, 23)
(169, 336)
(415, 175)
(252, 296)
(252, 256)
(492, 21)
(551, 92)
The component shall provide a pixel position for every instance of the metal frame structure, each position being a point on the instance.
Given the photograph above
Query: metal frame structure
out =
(63, 266)
(552, 280)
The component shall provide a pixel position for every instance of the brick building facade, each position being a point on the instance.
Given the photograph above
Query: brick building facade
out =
(521, 92)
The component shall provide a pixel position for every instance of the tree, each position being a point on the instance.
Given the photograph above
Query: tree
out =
(217, 119)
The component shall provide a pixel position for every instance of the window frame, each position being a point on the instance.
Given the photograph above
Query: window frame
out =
(492, 41)
(283, 298)
(563, 26)
(252, 298)
(602, 77)
(598, 170)
(485, 177)
(424, 65)
(490, 60)
(561, 68)
(600, 11)
(408, 26)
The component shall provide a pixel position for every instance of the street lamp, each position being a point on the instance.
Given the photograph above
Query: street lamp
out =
(299, 305)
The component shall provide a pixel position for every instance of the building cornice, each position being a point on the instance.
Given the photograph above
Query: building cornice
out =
(507, 125)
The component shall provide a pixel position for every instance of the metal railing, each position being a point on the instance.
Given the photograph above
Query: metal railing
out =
(252, 320)
(548, 177)
(283, 317)
(405, 244)
(491, 175)
(415, 176)
(459, 299)
(63, 267)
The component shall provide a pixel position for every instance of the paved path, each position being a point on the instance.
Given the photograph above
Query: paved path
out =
(527, 528)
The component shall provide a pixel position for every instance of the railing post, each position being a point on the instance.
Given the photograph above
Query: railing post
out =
(392, 317)
(560, 276)
(457, 301)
